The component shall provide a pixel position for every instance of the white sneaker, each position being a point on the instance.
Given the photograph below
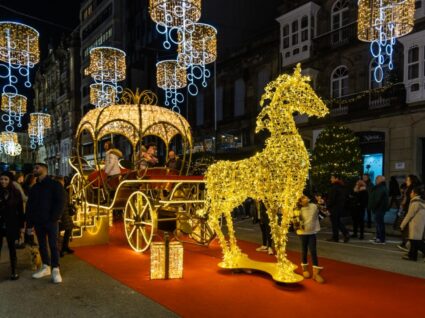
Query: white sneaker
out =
(42, 272)
(270, 251)
(56, 276)
(261, 249)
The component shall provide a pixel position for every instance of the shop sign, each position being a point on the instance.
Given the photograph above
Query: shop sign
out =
(369, 137)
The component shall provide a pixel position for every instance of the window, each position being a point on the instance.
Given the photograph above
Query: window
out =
(239, 97)
(418, 4)
(304, 28)
(339, 82)
(285, 33)
(413, 63)
(340, 18)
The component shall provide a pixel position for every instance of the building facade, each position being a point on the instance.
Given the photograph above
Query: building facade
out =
(388, 117)
(57, 92)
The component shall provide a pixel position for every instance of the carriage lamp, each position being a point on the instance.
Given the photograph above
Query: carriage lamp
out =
(166, 259)
(14, 106)
(197, 48)
(380, 22)
(174, 15)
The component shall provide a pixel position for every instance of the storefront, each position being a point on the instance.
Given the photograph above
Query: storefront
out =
(372, 144)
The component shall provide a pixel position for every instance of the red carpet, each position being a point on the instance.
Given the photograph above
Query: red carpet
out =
(207, 291)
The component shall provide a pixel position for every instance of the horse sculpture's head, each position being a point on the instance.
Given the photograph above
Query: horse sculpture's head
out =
(288, 94)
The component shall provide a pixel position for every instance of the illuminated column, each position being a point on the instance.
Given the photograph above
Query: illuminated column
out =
(39, 122)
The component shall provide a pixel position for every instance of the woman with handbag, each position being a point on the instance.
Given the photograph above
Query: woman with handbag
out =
(309, 215)
(11, 218)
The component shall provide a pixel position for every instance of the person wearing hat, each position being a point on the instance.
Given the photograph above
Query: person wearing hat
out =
(45, 205)
(11, 218)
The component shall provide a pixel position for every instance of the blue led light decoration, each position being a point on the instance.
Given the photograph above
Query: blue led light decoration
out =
(380, 22)
(172, 16)
(171, 77)
(14, 107)
(107, 68)
(39, 122)
(198, 50)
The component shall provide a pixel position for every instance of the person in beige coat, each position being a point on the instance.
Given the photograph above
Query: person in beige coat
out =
(415, 219)
(309, 214)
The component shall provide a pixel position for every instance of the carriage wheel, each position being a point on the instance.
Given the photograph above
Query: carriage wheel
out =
(140, 221)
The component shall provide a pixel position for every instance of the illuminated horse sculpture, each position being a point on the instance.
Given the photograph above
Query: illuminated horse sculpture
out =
(276, 176)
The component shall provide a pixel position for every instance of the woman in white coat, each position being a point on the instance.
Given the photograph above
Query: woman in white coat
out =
(415, 219)
(309, 214)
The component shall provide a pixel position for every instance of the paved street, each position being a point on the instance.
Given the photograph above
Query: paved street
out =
(88, 292)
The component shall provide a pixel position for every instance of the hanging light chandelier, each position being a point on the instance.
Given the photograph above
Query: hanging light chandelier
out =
(9, 144)
(198, 50)
(171, 16)
(107, 68)
(171, 77)
(19, 51)
(14, 107)
(39, 122)
(380, 22)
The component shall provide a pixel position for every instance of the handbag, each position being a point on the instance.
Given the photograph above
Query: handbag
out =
(296, 223)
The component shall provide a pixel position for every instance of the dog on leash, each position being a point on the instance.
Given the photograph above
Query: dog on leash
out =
(35, 258)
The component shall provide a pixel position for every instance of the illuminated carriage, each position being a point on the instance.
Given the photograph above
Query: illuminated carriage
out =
(155, 199)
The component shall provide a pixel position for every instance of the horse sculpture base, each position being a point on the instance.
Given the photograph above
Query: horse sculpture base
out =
(279, 274)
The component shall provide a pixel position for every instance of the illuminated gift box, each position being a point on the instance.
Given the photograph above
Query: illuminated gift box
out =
(166, 260)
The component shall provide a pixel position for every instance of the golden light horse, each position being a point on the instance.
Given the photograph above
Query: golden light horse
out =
(277, 175)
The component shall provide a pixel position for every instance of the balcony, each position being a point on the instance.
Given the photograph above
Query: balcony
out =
(335, 39)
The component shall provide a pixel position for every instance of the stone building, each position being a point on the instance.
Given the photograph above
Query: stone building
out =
(57, 92)
(388, 117)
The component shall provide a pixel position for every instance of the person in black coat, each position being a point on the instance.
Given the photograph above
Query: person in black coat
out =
(11, 218)
(44, 209)
(66, 224)
(361, 198)
(337, 197)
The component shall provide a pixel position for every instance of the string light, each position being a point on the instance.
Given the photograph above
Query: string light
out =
(19, 51)
(275, 176)
(39, 122)
(9, 144)
(380, 22)
(171, 77)
(198, 49)
(107, 68)
(172, 16)
(14, 107)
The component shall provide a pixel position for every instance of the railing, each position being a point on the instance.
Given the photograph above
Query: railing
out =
(336, 38)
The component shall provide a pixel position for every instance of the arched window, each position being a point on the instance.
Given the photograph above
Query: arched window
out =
(340, 18)
(339, 82)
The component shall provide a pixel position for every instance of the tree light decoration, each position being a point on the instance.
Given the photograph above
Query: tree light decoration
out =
(107, 68)
(14, 107)
(171, 77)
(39, 122)
(172, 16)
(9, 144)
(275, 176)
(380, 22)
(18, 51)
(198, 49)
(337, 152)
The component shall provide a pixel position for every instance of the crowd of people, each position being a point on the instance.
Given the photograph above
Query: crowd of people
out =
(35, 203)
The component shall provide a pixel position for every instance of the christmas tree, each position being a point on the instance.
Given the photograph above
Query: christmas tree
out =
(337, 152)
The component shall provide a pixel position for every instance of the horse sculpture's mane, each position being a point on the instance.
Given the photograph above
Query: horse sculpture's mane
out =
(275, 176)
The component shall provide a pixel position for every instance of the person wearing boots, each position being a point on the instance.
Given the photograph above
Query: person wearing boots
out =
(309, 213)
(44, 209)
(337, 197)
(378, 204)
(415, 220)
(65, 223)
(11, 218)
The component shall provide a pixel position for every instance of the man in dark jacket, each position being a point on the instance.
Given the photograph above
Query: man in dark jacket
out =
(337, 197)
(378, 204)
(44, 208)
